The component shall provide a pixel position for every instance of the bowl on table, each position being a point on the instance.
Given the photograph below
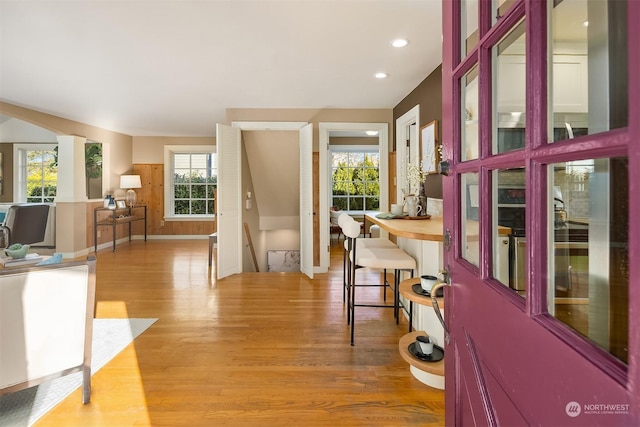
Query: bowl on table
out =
(17, 251)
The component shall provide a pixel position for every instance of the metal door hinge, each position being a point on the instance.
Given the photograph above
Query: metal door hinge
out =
(446, 239)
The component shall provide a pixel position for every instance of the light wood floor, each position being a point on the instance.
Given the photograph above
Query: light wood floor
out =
(259, 349)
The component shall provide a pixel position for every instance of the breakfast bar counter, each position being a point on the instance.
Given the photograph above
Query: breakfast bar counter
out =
(422, 229)
(419, 229)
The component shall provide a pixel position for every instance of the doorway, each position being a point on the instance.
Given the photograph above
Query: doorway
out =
(326, 129)
(231, 195)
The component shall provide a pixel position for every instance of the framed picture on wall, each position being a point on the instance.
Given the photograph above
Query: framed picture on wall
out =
(429, 147)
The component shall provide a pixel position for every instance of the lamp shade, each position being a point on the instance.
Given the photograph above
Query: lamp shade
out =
(130, 181)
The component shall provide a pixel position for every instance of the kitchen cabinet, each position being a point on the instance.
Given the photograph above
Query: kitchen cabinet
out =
(569, 84)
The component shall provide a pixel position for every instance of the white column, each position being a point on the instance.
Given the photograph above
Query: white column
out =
(71, 198)
(72, 186)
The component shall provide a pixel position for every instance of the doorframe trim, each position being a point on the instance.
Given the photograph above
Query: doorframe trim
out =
(402, 122)
(323, 148)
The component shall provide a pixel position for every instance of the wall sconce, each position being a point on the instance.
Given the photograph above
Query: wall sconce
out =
(248, 204)
(130, 182)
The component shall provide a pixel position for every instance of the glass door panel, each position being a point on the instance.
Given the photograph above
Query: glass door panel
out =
(509, 89)
(589, 260)
(469, 25)
(470, 218)
(509, 219)
(469, 125)
(499, 7)
(588, 76)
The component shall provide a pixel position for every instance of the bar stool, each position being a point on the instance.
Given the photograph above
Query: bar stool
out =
(373, 257)
(377, 242)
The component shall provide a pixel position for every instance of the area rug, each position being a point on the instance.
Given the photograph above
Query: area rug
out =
(110, 337)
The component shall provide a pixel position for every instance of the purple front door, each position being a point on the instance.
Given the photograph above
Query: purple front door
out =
(541, 128)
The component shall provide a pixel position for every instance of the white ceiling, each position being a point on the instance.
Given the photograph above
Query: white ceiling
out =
(172, 67)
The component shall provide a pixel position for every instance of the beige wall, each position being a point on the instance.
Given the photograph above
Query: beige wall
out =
(117, 147)
(310, 115)
(150, 149)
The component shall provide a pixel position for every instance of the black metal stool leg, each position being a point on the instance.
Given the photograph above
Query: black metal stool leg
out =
(353, 303)
(410, 316)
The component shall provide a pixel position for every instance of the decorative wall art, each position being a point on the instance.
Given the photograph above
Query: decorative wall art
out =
(1, 175)
(429, 147)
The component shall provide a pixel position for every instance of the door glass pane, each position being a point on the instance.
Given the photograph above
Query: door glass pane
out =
(469, 130)
(470, 215)
(499, 7)
(509, 209)
(588, 79)
(509, 83)
(469, 25)
(589, 263)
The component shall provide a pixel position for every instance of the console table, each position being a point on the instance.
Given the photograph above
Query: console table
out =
(105, 217)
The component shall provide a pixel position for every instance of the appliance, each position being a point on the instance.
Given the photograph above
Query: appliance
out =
(511, 213)
(568, 236)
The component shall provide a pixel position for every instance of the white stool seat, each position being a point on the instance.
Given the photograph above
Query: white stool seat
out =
(389, 258)
(372, 243)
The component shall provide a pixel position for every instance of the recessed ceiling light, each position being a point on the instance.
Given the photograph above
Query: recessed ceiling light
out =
(381, 75)
(372, 132)
(399, 43)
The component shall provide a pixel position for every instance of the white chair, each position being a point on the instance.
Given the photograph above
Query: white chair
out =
(334, 226)
(26, 223)
(362, 243)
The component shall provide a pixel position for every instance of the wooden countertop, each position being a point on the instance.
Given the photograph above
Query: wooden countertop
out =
(422, 229)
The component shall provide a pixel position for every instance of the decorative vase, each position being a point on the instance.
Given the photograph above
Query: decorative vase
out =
(112, 203)
(413, 209)
(422, 201)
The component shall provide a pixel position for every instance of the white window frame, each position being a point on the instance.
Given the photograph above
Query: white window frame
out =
(370, 149)
(20, 168)
(169, 151)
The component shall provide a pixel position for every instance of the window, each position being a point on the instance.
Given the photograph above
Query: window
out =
(355, 179)
(37, 173)
(192, 174)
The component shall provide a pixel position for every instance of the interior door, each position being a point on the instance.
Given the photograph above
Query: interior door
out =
(229, 215)
(560, 351)
(306, 200)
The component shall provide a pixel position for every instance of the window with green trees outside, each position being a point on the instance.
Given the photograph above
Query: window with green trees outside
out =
(355, 180)
(195, 177)
(42, 175)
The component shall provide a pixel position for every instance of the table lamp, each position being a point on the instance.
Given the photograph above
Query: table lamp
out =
(130, 182)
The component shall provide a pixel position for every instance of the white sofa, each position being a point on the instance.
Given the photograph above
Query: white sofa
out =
(46, 324)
